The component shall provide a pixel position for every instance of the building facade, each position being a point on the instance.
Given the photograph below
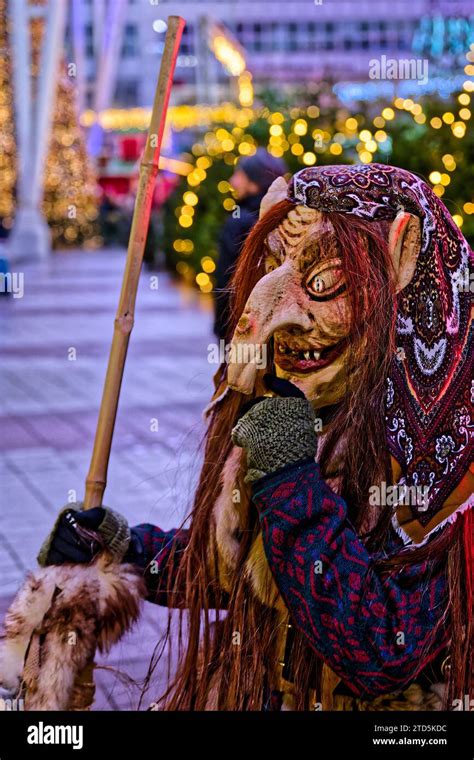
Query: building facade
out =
(284, 40)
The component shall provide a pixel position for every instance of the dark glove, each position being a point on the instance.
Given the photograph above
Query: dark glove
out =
(276, 431)
(79, 535)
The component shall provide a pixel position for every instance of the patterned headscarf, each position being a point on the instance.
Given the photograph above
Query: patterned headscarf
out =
(430, 387)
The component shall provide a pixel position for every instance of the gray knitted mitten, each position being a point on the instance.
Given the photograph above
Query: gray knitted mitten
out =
(115, 531)
(276, 432)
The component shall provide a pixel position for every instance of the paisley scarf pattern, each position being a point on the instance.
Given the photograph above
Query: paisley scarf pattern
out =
(430, 387)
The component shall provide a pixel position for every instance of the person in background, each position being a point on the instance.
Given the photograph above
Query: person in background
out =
(250, 181)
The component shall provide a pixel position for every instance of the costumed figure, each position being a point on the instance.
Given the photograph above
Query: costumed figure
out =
(328, 560)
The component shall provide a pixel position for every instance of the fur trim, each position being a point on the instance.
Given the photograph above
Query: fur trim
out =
(226, 509)
(260, 576)
(25, 614)
(230, 518)
(56, 622)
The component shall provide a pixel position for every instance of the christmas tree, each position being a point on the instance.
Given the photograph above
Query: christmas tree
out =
(70, 190)
(70, 201)
(7, 136)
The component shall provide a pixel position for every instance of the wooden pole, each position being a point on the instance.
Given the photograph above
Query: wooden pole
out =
(97, 477)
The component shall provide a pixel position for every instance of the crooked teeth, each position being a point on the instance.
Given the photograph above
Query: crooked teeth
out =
(308, 355)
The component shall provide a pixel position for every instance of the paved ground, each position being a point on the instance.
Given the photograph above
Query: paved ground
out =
(54, 344)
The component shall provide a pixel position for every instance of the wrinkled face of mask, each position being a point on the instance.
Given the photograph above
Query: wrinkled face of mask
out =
(302, 306)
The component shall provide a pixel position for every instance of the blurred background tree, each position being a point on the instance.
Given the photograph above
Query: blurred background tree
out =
(71, 195)
(7, 134)
(429, 138)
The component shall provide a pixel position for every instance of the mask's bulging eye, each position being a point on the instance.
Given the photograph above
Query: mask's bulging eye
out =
(326, 283)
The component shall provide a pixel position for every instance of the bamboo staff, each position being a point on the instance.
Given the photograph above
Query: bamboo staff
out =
(97, 476)
(96, 481)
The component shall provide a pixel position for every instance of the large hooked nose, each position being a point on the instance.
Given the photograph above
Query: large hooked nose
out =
(276, 302)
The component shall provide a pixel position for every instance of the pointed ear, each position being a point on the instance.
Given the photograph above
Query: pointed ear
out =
(404, 243)
(277, 191)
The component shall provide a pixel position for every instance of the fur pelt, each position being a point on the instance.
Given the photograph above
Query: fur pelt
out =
(230, 514)
(227, 509)
(57, 620)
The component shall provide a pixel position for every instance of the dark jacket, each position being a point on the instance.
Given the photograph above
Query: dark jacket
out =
(350, 611)
(232, 238)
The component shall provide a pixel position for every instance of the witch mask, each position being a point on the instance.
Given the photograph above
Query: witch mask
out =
(300, 308)
(301, 303)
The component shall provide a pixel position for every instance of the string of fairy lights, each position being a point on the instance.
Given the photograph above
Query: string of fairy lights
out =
(229, 144)
(228, 137)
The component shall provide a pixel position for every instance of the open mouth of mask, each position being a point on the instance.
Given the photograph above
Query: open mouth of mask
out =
(306, 359)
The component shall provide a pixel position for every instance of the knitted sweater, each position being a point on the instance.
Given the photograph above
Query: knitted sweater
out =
(375, 630)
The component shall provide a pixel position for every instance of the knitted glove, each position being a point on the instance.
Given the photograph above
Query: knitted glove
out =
(276, 432)
(78, 535)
